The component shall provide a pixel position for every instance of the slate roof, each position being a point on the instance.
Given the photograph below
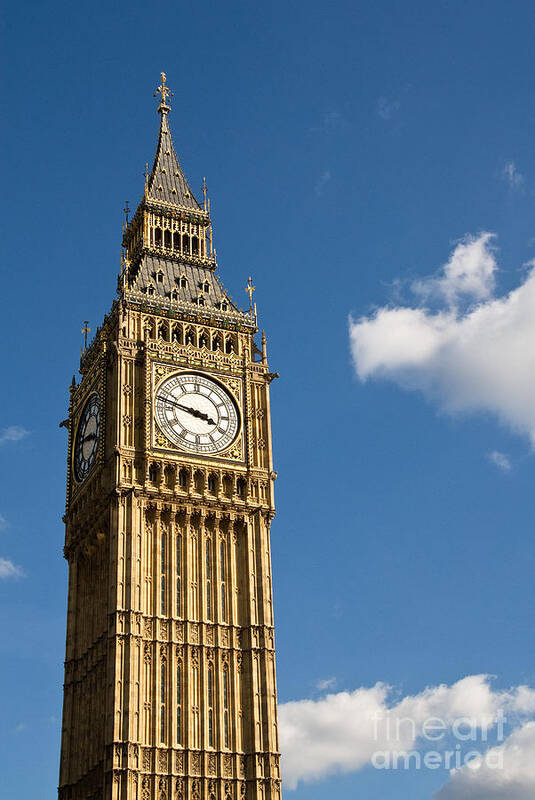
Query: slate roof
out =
(167, 182)
(171, 272)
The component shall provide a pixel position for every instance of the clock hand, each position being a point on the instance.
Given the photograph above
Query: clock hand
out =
(193, 411)
(89, 437)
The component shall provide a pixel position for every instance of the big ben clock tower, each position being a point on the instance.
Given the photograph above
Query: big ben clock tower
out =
(170, 689)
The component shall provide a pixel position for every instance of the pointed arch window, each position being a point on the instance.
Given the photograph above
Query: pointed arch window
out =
(183, 282)
(200, 300)
(151, 290)
(179, 703)
(179, 575)
(224, 305)
(226, 692)
(167, 238)
(223, 568)
(163, 566)
(208, 580)
(210, 706)
(176, 240)
(174, 294)
(195, 245)
(203, 341)
(159, 276)
(163, 699)
(206, 287)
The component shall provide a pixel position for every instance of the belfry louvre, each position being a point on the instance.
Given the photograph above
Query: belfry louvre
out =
(170, 688)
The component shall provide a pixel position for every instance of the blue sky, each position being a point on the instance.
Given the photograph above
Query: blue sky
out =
(349, 150)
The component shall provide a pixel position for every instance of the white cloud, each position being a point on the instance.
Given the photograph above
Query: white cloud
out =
(3, 523)
(13, 433)
(500, 460)
(341, 732)
(469, 273)
(480, 358)
(9, 570)
(514, 178)
(322, 182)
(326, 683)
(507, 772)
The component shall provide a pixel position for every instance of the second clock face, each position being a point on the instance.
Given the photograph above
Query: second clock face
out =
(196, 413)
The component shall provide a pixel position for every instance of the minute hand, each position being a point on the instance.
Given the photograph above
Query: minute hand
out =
(193, 411)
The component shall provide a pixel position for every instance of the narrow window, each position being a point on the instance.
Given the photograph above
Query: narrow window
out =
(223, 583)
(210, 707)
(163, 599)
(176, 240)
(212, 483)
(208, 582)
(240, 488)
(167, 238)
(203, 341)
(229, 347)
(163, 695)
(150, 290)
(159, 276)
(195, 245)
(216, 343)
(183, 282)
(185, 243)
(174, 295)
(206, 287)
(179, 704)
(182, 478)
(224, 305)
(225, 706)
(200, 300)
(178, 574)
(158, 237)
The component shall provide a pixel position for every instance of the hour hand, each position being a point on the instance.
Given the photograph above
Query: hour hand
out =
(89, 437)
(193, 411)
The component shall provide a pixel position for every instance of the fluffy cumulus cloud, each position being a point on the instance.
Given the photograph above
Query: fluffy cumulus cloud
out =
(9, 570)
(513, 780)
(345, 731)
(500, 460)
(458, 343)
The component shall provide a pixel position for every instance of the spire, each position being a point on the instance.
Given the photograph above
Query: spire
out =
(166, 181)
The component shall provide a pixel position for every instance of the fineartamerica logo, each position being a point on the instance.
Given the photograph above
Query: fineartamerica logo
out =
(398, 735)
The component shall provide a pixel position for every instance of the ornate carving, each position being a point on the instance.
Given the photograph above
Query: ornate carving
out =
(179, 762)
(195, 761)
(227, 766)
(212, 764)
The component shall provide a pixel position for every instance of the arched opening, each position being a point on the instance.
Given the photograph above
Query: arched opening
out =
(190, 336)
(158, 237)
(183, 478)
(203, 341)
(154, 474)
(183, 283)
(198, 481)
(212, 483)
(241, 487)
(206, 287)
(195, 246)
(167, 238)
(227, 486)
(229, 345)
(216, 343)
(176, 334)
(174, 294)
(185, 243)
(170, 475)
(176, 240)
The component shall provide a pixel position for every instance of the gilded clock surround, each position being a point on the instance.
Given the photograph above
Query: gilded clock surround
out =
(170, 687)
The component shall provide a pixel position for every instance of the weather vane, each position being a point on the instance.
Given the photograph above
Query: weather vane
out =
(163, 90)
(250, 289)
(85, 330)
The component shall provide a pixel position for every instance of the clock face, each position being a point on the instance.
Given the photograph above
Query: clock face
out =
(196, 413)
(87, 435)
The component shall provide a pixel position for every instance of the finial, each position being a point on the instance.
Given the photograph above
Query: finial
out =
(85, 330)
(204, 190)
(126, 210)
(264, 348)
(164, 91)
(250, 289)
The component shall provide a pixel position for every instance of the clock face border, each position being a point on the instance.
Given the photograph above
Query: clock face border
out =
(87, 400)
(233, 386)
